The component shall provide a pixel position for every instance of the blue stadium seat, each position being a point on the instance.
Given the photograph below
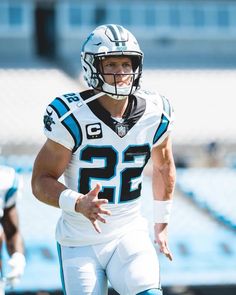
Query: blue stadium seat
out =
(213, 189)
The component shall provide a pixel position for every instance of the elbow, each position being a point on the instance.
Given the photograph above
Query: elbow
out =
(172, 177)
(172, 181)
(172, 173)
(35, 187)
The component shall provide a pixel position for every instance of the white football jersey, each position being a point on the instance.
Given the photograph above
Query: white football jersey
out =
(9, 182)
(111, 152)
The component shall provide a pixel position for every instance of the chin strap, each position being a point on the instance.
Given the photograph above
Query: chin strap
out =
(79, 105)
(117, 97)
(95, 97)
(88, 100)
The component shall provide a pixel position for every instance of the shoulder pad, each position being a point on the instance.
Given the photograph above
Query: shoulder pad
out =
(167, 107)
(145, 93)
(65, 105)
(60, 124)
(151, 96)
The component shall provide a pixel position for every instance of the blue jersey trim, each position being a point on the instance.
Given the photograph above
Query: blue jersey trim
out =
(59, 106)
(13, 189)
(72, 125)
(163, 126)
(70, 122)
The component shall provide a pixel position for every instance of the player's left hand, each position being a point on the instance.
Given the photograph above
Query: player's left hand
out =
(160, 230)
(17, 263)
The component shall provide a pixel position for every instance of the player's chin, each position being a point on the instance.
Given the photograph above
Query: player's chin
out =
(123, 84)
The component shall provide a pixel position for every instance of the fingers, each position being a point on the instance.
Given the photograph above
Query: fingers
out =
(92, 207)
(96, 216)
(95, 190)
(97, 209)
(101, 219)
(96, 226)
(165, 250)
(100, 202)
(167, 253)
(101, 210)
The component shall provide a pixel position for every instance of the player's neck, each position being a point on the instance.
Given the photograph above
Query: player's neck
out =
(115, 107)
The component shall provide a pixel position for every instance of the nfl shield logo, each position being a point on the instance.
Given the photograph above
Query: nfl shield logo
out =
(121, 130)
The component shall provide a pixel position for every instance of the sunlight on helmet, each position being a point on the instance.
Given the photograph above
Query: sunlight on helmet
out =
(111, 41)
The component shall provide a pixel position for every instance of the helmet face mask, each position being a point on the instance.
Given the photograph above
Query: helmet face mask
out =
(111, 41)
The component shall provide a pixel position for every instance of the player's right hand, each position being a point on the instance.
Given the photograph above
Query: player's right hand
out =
(17, 263)
(91, 207)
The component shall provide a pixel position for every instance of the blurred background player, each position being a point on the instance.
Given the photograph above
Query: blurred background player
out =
(107, 134)
(9, 228)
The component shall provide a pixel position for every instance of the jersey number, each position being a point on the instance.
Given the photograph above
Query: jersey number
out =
(110, 156)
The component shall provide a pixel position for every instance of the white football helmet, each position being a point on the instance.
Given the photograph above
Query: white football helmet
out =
(111, 41)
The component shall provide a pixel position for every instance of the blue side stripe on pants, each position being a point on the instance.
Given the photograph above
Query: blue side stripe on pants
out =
(61, 268)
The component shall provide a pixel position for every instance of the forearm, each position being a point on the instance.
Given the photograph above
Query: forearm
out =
(47, 189)
(13, 237)
(15, 244)
(163, 180)
(49, 165)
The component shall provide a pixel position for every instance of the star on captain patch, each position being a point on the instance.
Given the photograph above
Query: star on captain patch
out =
(121, 129)
(48, 121)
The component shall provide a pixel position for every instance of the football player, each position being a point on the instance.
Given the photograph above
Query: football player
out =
(101, 140)
(9, 227)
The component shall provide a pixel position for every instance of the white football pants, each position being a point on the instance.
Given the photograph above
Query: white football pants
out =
(130, 264)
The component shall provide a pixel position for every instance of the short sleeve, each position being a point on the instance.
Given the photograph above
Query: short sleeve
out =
(166, 124)
(13, 191)
(55, 128)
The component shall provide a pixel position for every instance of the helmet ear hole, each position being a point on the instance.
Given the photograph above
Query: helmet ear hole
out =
(97, 63)
(135, 62)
